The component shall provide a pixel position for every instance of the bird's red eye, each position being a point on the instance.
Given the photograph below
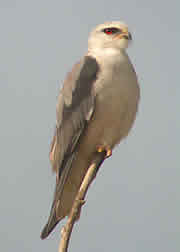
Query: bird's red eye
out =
(108, 31)
(111, 30)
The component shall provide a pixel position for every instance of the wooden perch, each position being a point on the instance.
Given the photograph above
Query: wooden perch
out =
(79, 200)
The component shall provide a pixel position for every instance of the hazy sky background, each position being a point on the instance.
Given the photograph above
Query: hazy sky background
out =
(134, 203)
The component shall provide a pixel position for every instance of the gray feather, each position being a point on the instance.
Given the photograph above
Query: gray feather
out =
(75, 108)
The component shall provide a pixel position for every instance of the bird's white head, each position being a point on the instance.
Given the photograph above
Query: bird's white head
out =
(110, 35)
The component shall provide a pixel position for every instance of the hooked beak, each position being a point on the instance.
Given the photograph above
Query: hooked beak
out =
(125, 34)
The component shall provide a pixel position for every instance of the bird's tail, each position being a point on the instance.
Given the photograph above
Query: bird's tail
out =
(52, 222)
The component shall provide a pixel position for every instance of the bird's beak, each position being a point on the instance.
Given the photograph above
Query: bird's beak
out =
(124, 34)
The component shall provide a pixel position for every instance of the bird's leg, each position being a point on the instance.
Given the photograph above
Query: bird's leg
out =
(106, 148)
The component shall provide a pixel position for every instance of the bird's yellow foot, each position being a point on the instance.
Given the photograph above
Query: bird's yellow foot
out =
(107, 149)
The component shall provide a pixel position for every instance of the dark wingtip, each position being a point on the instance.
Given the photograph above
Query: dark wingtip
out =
(44, 233)
(47, 230)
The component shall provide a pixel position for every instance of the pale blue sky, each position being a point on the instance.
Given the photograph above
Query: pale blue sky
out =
(134, 203)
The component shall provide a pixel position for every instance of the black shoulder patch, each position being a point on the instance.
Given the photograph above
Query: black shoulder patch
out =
(89, 69)
(84, 85)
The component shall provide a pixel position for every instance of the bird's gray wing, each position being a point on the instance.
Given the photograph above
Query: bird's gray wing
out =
(75, 107)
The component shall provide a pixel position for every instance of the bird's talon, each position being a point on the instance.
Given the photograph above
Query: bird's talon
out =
(108, 153)
(102, 148)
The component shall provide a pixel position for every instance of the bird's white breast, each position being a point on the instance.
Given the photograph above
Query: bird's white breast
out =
(117, 95)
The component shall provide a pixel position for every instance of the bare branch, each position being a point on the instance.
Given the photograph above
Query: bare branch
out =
(79, 201)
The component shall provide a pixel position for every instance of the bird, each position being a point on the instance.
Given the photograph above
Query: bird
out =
(95, 110)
